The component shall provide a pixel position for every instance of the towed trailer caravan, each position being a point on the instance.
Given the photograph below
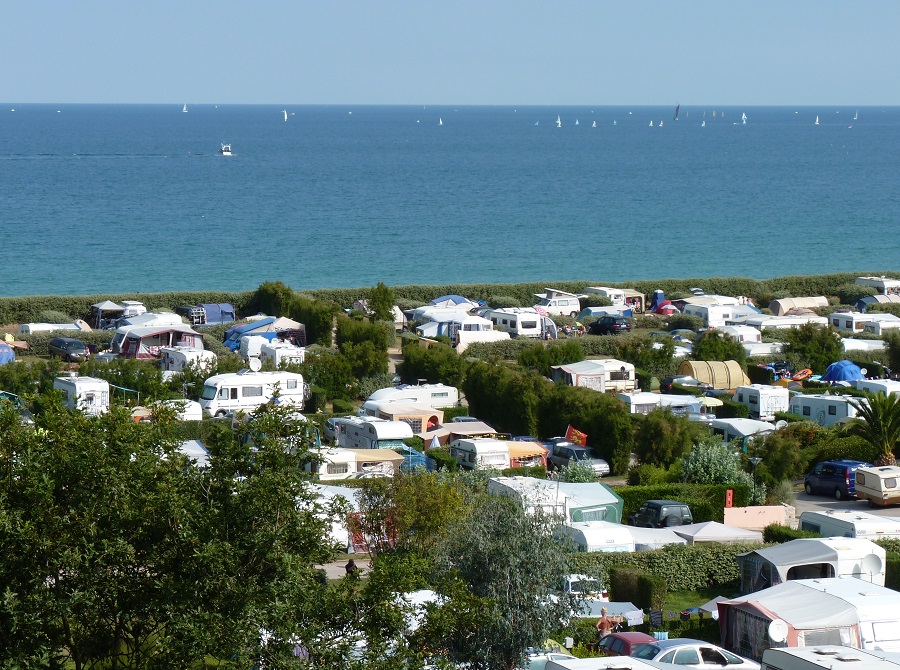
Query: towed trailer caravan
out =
(339, 463)
(763, 400)
(480, 452)
(825, 409)
(517, 321)
(837, 523)
(175, 359)
(432, 395)
(827, 657)
(87, 394)
(354, 432)
(596, 536)
(884, 386)
(282, 353)
(247, 390)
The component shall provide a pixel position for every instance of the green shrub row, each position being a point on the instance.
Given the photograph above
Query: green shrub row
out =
(731, 409)
(707, 501)
(778, 534)
(628, 584)
(892, 571)
(683, 568)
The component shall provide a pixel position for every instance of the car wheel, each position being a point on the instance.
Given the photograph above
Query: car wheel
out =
(573, 314)
(838, 494)
(670, 521)
(808, 488)
(220, 414)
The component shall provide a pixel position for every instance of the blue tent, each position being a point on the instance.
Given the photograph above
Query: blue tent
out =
(452, 299)
(6, 354)
(218, 313)
(234, 334)
(842, 371)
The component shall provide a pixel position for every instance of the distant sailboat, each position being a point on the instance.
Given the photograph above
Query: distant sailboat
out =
(817, 119)
(660, 124)
(744, 119)
(614, 123)
(651, 123)
(440, 121)
(856, 116)
(677, 107)
(594, 125)
(576, 122)
(558, 121)
(184, 109)
(703, 124)
(537, 123)
(284, 111)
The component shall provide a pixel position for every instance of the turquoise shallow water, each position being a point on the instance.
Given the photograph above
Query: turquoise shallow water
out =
(136, 198)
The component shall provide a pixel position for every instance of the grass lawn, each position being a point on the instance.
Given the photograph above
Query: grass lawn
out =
(677, 601)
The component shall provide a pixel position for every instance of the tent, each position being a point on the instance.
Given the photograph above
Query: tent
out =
(454, 301)
(222, 312)
(98, 308)
(6, 354)
(721, 374)
(713, 531)
(842, 371)
(647, 539)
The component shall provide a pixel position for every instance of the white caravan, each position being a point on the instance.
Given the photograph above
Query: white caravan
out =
(739, 429)
(843, 523)
(596, 536)
(517, 321)
(560, 303)
(338, 463)
(763, 400)
(247, 390)
(87, 394)
(825, 409)
(431, 395)
(480, 452)
(884, 386)
(280, 353)
(354, 432)
(173, 360)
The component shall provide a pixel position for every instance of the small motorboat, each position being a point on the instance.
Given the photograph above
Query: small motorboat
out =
(805, 373)
(225, 150)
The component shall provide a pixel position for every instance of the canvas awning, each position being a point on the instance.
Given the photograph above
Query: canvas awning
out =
(713, 531)
(521, 449)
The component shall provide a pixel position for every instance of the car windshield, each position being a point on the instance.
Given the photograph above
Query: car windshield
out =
(581, 455)
(645, 651)
(209, 393)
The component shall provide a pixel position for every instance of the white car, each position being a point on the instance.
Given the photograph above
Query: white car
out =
(692, 654)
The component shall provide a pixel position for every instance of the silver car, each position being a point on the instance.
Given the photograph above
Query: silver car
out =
(692, 654)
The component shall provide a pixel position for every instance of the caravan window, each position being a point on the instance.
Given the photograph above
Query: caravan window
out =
(529, 324)
(832, 410)
(443, 394)
(337, 469)
(807, 410)
(595, 514)
(886, 631)
(292, 383)
(251, 391)
(753, 400)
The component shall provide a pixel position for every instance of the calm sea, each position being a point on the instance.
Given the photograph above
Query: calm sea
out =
(97, 198)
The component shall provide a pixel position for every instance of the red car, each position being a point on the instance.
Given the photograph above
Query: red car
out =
(622, 644)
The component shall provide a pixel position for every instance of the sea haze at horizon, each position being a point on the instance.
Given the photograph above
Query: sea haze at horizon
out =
(135, 198)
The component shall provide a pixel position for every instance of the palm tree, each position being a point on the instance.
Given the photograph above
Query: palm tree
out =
(878, 423)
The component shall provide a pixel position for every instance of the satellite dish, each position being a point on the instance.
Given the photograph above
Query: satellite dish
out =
(864, 371)
(781, 424)
(872, 565)
(255, 364)
(778, 630)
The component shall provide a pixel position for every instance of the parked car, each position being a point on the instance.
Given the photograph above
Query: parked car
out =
(68, 349)
(562, 453)
(661, 514)
(610, 325)
(665, 386)
(689, 653)
(464, 419)
(622, 644)
(834, 478)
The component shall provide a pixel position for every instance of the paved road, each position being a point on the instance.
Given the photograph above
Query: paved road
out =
(820, 503)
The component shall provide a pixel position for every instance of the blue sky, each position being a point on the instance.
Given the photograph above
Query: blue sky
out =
(757, 52)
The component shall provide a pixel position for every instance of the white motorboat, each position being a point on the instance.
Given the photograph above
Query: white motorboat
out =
(225, 150)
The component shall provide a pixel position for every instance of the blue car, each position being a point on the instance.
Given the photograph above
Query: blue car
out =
(414, 460)
(834, 478)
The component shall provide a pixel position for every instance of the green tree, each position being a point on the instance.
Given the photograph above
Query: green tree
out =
(661, 438)
(577, 471)
(381, 302)
(713, 345)
(438, 363)
(813, 346)
(541, 358)
(878, 423)
(713, 462)
(500, 563)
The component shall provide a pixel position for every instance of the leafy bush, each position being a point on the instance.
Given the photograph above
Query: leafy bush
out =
(595, 300)
(627, 584)
(502, 301)
(782, 493)
(731, 409)
(443, 459)
(342, 406)
(679, 321)
(53, 316)
(647, 474)
(536, 471)
(778, 534)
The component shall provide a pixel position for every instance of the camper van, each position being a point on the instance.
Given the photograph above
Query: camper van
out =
(596, 536)
(355, 432)
(825, 409)
(832, 523)
(763, 400)
(247, 390)
(878, 485)
(556, 302)
(885, 386)
(432, 395)
(480, 452)
(87, 394)
(517, 321)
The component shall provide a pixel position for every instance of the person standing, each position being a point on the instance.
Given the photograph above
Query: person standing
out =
(605, 624)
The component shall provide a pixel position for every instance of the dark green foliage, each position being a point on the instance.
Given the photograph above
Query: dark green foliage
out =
(712, 495)
(661, 437)
(680, 321)
(510, 401)
(542, 357)
(381, 302)
(503, 350)
(501, 301)
(342, 406)
(655, 356)
(627, 584)
(53, 316)
(443, 459)
(316, 316)
(892, 571)
(649, 475)
(451, 413)
(731, 409)
(329, 371)
(849, 293)
(833, 446)
(595, 300)
(713, 345)
(782, 456)
(272, 298)
(537, 471)
(813, 347)
(365, 359)
(436, 363)
(683, 568)
(778, 534)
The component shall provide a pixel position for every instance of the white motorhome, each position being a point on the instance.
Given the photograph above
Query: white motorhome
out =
(281, 353)
(883, 386)
(517, 321)
(856, 322)
(561, 303)
(739, 429)
(884, 285)
(480, 452)
(825, 409)
(844, 523)
(596, 536)
(87, 394)
(432, 395)
(763, 400)
(247, 390)
(354, 432)
(175, 359)
(765, 321)
(827, 657)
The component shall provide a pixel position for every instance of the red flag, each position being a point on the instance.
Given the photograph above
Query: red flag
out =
(576, 436)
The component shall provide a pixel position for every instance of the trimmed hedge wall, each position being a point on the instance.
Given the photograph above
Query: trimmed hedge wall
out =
(778, 534)
(683, 568)
(641, 588)
(707, 502)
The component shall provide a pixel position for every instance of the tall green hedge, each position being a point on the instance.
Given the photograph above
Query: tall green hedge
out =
(683, 567)
(707, 501)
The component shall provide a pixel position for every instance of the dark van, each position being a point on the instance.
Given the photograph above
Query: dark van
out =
(834, 478)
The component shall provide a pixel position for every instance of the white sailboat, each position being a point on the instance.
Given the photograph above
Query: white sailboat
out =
(660, 124)
(537, 123)
(284, 111)
(184, 109)
(703, 124)
(651, 123)
(744, 118)
(856, 116)
(558, 121)
(817, 119)
(594, 125)
(440, 121)
(576, 122)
